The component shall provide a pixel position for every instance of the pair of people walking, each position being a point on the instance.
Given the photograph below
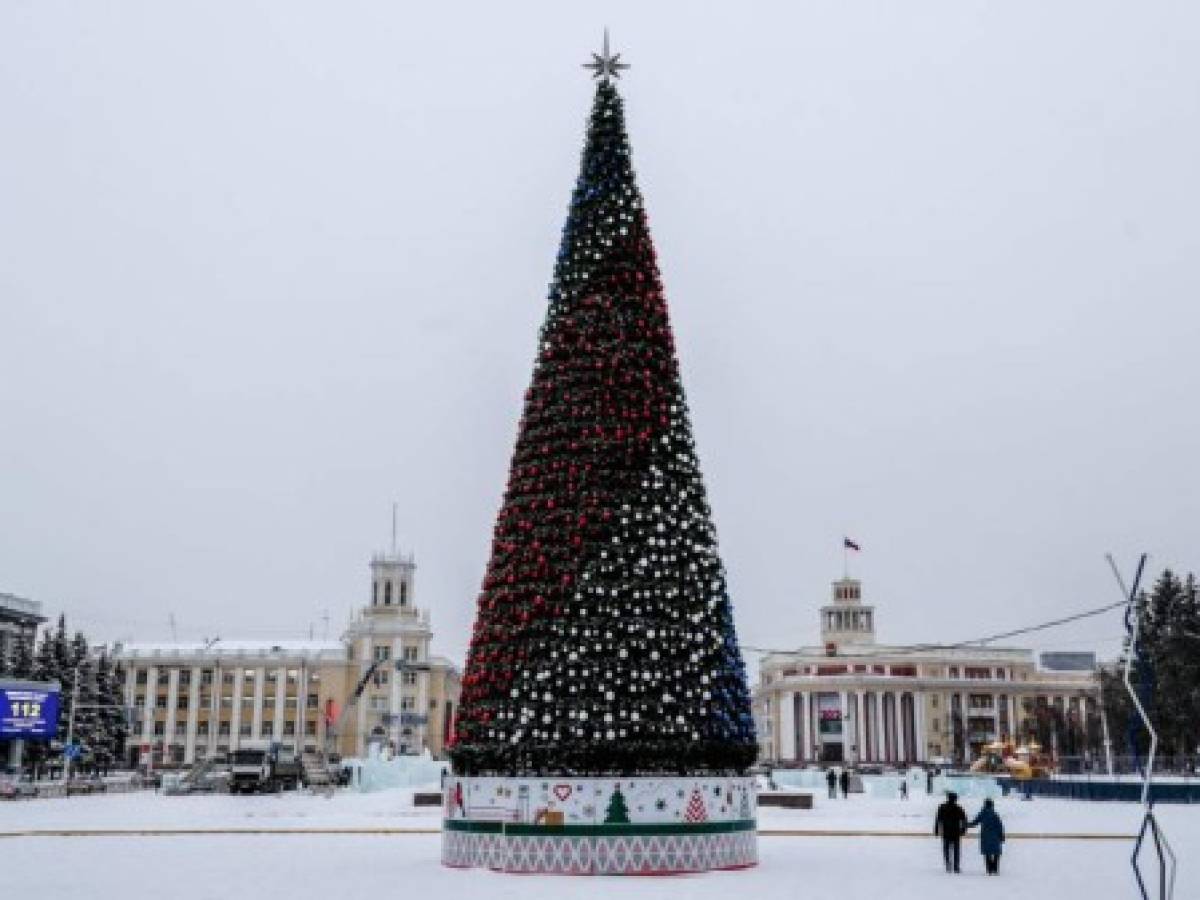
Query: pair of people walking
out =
(951, 824)
(834, 781)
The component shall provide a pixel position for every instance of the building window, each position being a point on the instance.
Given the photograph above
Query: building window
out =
(181, 729)
(375, 593)
(289, 728)
(381, 677)
(904, 671)
(310, 729)
(272, 676)
(223, 729)
(313, 701)
(206, 677)
(227, 678)
(293, 677)
(382, 653)
(140, 676)
(387, 594)
(185, 677)
(407, 704)
(954, 671)
(268, 728)
(247, 675)
(410, 654)
(201, 729)
(164, 677)
(410, 678)
(977, 672)
(181, 702)
(160, 729)
(244, 729)
(160, 702)
(269, 699)
(999, 674)
(403, 594)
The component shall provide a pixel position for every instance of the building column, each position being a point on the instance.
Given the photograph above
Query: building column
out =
(844, 708)
(148, 704)
(260, 684)
(280, 702)
(962, 708)
(214, 712)
(787, 726)
(806, 734)
(169, 727)
(235, 714)
(860, 726)
(919, 725)
(876, 727)
(897, 726)
(193, 715)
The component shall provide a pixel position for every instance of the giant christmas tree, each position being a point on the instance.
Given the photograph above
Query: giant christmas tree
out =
(604, 639)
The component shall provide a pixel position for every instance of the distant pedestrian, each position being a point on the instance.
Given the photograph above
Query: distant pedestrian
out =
(903, 789)
(991, 836)
(929, 781)
(831, 780)
(845, 782)
(950, 823)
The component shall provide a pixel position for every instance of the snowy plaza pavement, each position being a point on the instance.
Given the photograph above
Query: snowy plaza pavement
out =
(365, 864)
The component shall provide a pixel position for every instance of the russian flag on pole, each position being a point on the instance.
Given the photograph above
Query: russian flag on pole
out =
(850, 545)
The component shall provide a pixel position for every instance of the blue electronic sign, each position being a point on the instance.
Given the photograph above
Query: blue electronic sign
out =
(28, 712)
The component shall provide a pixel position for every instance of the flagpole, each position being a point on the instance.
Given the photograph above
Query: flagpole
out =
(845, 561)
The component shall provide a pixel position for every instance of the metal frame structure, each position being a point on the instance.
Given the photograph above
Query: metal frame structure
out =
(1141, 699)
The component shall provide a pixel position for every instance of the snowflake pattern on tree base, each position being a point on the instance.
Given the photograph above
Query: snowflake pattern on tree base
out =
(600, 826)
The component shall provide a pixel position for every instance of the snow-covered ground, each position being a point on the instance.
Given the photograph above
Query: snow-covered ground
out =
(364, 864)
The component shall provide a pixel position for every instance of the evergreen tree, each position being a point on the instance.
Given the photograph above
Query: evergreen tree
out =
(110, 728)
(604, 638)
(22, 659)
(84, 700)
(1169, 642)
(618, 811)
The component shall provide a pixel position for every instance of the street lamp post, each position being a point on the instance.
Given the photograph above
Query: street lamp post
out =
(402, 666)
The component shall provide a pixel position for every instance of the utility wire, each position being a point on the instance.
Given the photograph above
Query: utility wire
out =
(921, 648)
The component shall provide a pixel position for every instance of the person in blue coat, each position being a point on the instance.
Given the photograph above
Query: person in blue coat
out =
(991, 836)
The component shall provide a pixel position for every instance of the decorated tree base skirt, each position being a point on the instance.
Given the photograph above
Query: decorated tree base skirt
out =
(600, 826)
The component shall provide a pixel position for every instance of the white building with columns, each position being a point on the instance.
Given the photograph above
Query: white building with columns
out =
(199, 700)
(856, 701)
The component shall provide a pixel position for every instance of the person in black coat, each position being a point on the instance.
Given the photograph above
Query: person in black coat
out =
(831, 780)
(845, 782)
(951, 823)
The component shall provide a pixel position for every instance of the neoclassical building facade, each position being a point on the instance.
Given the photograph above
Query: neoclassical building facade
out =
(855, 701)
(195, 701)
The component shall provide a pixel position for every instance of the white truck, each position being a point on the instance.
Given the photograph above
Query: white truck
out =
(258, 767)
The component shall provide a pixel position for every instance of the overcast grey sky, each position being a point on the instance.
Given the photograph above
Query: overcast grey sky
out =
(267, 267)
